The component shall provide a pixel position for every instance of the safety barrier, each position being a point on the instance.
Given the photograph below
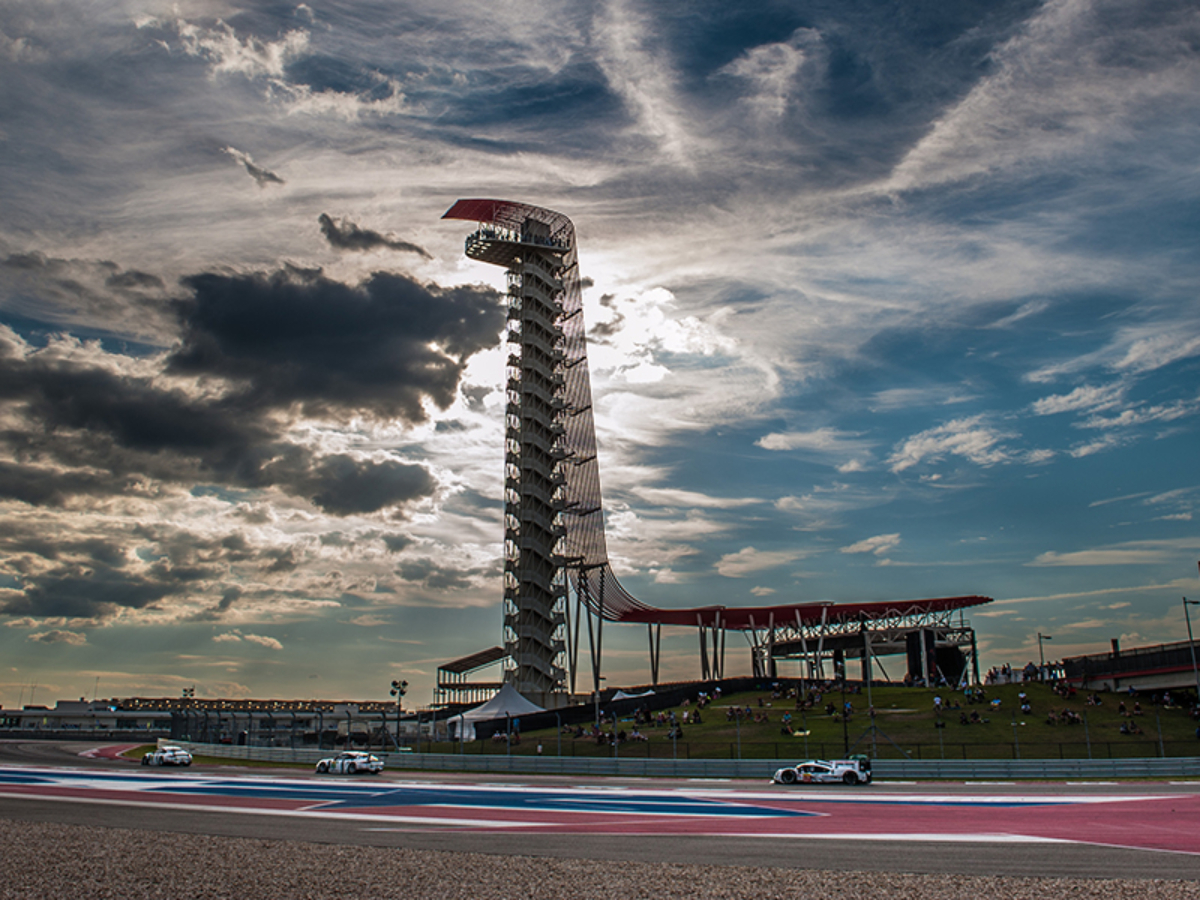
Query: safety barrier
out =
(884, 769)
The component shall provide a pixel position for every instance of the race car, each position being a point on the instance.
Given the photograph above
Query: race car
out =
(820, 771)
(167, 756)
(350, 763)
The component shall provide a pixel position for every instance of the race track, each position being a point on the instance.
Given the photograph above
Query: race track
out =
(1142, 830)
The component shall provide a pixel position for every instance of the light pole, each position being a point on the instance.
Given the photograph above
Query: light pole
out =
(840, 669)
(1042, 655)
(1192, 642)
(399, 689)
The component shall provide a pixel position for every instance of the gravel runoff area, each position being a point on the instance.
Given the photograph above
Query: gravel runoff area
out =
(75, 861)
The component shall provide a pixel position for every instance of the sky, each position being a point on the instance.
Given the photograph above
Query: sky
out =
(885, 300)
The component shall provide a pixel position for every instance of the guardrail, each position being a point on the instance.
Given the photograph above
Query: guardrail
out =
(967, 770)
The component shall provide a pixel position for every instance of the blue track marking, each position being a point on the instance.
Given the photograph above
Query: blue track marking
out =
(330, 796)
(366, 796)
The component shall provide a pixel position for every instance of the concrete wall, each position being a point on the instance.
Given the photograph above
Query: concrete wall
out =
(884, 769)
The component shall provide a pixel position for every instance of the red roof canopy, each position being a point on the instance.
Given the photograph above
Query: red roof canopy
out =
(741, 618)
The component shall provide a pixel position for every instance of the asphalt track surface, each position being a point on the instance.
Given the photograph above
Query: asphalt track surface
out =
(1116, 830)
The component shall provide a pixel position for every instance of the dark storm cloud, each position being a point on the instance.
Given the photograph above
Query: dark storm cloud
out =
(287, 339)
(345, 235)
(278, 345)
(351, 486)
(396, 542)
(80, 591)
(95, 577)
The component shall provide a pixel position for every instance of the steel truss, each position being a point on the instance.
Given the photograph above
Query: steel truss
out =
(866, 637)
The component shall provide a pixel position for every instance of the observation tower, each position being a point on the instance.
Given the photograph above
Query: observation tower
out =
(553, 517)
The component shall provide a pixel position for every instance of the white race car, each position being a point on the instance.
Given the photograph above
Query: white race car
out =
(167, 756)
(819, 771)
(350, 763)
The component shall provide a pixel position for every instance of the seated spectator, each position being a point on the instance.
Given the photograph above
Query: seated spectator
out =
(1137, 708)
(962, 719)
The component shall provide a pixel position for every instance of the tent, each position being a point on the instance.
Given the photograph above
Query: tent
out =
(621, 695)
(508, 702)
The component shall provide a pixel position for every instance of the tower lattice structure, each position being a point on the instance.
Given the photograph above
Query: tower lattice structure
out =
(553, 515)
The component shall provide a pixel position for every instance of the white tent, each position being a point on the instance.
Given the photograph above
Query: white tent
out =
(621, 695)
(507, 703)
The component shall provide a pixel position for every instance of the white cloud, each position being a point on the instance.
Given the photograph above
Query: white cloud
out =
(1083, 397)
(879, 545)
(1066, 83)
(748, 560)
(675, 497)
(1137, 553)
(969, 438)
(1142, 415)
(230, 54)
(772, 69)
(644, 80)
(59, 636)
(1107, 442)
(236, 637)
(263, 641)
(917, 398)
(1159, 350)
(826, 440)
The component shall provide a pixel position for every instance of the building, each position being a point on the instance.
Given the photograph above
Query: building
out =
(1154, 668)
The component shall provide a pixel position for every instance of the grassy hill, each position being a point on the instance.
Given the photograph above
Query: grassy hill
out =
(905, 722)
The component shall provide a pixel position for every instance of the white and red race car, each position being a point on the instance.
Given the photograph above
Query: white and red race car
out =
(820, 771)
(351, 763)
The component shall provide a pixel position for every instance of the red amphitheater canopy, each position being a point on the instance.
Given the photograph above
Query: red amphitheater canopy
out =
(742, 618)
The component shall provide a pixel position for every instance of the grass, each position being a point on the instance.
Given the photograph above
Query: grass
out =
(905, 718)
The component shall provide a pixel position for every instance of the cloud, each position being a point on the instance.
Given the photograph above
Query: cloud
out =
(772, 69)
(1142, 415)
(261, 176)
(237, 637)
(675, 497)
(1085, 397)
(58, 636)
(96, 295)
(1071, 78)
(968, 438)
(263, 641)
(345, 235)
(644, 80)
(230, 54)
(823, 439)
(748, 561)
(879, 545)
(1130, 553)
(382, 347)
